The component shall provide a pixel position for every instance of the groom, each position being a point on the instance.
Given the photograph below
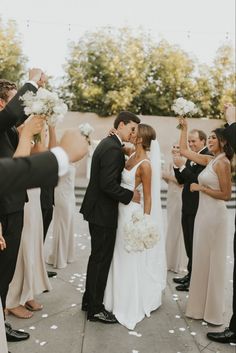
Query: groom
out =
(100, 209)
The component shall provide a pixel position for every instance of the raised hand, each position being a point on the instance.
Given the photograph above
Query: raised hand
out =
(183, 123)
(33, 125)
(2, 240)
(230, 113)
(74, 144)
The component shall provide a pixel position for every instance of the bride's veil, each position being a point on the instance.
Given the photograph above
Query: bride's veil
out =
(156, 211)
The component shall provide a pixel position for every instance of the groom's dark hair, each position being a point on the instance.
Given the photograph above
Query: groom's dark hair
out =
(126, 117)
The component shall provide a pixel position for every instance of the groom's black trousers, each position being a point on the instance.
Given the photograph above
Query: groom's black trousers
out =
(102, 247)
(188, 229)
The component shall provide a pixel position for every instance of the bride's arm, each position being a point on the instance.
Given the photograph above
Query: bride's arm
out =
(145, 173)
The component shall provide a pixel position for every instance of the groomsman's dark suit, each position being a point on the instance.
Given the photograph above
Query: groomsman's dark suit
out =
(28, 172)
(190, 202)
(100, 209)
(12, 204)
(47, 202)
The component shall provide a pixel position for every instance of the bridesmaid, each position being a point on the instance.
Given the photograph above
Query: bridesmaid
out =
(206, 292)
(175, 250)
(30, 277)
(63, 245)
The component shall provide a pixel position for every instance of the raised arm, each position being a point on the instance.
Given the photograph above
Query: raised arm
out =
(184, 150)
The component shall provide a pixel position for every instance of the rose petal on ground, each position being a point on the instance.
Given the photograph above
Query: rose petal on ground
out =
(171, 331)
(134, 333)
(45, 315)
(182, 329)
(32, 328)
(43, 343)
(54, 327)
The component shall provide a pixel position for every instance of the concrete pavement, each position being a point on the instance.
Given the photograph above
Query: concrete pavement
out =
(61, 327)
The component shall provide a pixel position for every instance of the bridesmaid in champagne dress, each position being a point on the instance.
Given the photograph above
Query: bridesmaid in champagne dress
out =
(63, 244)
(206, 292)
(175, 251)
(30, 277)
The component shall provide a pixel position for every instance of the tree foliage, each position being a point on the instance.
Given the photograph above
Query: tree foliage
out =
(110, 71)
(11, 58)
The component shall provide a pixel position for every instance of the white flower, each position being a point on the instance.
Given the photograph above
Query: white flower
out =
(44, 102)
(86, 129)
(183, 107)
(37, 107)
(140, 233)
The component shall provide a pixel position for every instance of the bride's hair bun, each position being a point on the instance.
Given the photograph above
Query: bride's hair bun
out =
(147, 133)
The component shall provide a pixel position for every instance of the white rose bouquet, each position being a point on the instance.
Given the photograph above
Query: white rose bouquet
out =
(140, 233)
(86, 129)
(44, 102)
(183, 107)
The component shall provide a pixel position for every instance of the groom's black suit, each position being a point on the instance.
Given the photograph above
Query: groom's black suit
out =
(100, 209)
(190, 202)
(12, 204)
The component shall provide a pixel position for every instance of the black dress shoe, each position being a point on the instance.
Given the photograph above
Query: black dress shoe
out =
(51, 274)
(183, 287)
(15, 335)
(227, 336)
(84, 307)
(103, 316)
(181, 280)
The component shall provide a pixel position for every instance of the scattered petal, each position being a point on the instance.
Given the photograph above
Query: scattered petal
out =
(45, 315)
(43, 343)
(54, 327)
(171, 331)
(32, 328)
(233, 344)
(36, 341)
(193, 333)
(134, 333)
(21, 330)
(204, 323)
(134, 351)
(73, 305)
(177, 316)
(182, 329)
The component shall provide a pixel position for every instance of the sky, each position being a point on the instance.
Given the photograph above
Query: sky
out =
(47, 27)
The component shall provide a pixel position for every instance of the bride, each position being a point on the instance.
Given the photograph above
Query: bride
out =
(136, 279)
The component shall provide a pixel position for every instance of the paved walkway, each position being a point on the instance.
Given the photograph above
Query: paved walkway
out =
(62, 327)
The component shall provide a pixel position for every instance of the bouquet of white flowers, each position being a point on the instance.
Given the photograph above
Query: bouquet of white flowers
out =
(86, 129)
(140, 233)
(44, 102)
(183, 107)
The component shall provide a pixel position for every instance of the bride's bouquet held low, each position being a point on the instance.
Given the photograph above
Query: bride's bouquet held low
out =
(183, 108)
(140, 233)
(45, 103)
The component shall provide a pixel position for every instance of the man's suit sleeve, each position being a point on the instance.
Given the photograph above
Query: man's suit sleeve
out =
(230, 134)
(13, 113)
(28, 172)
(110, 174)
(189, 176)
(179, 176)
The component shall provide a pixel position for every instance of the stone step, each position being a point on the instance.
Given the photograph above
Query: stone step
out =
(80, 192)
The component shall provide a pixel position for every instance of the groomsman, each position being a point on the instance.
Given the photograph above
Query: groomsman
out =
(24, 173)
(12, 204)
(229, 334)
(187, 174)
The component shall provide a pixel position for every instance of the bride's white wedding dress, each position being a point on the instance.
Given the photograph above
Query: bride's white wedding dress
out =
(136, 279)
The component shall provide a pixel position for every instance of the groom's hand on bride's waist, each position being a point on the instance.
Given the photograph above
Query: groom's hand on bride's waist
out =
(136, 197)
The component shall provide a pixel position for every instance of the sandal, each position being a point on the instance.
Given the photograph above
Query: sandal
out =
(21, 312)
(32, 305)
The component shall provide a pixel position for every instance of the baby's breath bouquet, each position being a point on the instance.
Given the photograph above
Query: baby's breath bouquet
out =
(86, 129)
(183, 108)
(140, 233)
(46, 103)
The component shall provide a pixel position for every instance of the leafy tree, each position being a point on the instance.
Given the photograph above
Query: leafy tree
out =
(11, 58)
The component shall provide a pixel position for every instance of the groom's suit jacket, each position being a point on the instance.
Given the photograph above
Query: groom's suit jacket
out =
(13, 114)
(100, 204)
(23, 173)
(188, 176)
